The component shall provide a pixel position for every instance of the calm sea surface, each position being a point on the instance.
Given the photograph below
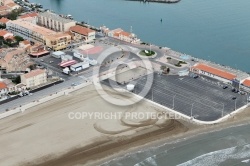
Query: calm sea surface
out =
(216, 30)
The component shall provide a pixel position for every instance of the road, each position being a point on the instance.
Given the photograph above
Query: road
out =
(81, 76)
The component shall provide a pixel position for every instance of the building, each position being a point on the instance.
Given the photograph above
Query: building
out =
(3, 90)
(245, 85)
(29, 15)
(206, 70)
(3, 21)
(55, 22)
(14, 60)
(4, 10)
(35, 33)
(7, 6)
(34, 78)
(5, 34)
(120, 34)
(82, 33)
(24, 44)
(58, 41)
(13, 6)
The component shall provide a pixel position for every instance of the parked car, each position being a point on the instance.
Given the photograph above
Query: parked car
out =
(233, 98)
(225, 87)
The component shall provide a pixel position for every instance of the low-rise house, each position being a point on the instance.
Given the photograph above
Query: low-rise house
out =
(245, 85)
(3, 21)
(24, 44)
(3, 90)
(5, 10)
(82, 33)
(29, 15)
(34, 78)
(5, 34)
(121, 35)
(14, 60)
(13, 6)
(38, 49)
(206, 70)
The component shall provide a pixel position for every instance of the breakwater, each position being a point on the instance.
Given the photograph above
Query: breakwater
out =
(158, 1)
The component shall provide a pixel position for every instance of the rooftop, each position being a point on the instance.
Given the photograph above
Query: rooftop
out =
(2, 85)
(215, 71)
(34, 73)
(4, 20)
(3, 32)
(55, 17)
(33, 14)
(33, 27)
(246, 82)
(81, 30)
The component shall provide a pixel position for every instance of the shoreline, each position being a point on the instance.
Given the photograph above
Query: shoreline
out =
(115, 150)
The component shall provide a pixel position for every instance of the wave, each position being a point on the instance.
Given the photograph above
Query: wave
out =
(217, 157)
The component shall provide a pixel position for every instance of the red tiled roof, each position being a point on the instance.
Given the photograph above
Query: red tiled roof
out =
(215, 71)
(25, 42)
(3, 85)
(4, 20)
(34, 73)
(3, 32)
(81, 30)
(123, 33)
(33, 14)
(246, 82)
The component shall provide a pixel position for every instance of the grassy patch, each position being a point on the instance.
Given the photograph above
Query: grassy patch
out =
(147, 53)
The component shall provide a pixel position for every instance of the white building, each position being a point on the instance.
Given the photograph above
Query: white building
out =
(34, 78)
(206, 70)
(54, 21)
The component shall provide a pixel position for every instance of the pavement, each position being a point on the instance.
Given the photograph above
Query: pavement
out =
(199, 98)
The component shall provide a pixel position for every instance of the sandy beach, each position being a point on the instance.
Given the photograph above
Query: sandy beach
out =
(45, 135)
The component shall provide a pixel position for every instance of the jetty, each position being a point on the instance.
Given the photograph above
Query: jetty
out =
(158, 1)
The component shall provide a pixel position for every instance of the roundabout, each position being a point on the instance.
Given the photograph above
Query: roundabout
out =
(147, 54)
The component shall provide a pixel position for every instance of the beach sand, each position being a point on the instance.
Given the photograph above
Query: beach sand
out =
(45, 135)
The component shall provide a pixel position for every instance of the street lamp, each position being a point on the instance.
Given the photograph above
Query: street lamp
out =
(152, 94)
(222, 112)
(173, 101)
(192, 110)
(235, 105)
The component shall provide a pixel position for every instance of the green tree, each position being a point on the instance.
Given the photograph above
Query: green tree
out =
(17, 80)
(18, 38)
(1, 40)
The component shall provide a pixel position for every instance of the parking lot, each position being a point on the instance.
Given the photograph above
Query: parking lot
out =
(203, 100)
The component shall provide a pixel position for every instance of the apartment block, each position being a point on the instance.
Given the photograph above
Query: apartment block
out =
(36, 33)
(54, 21)
(34, 78)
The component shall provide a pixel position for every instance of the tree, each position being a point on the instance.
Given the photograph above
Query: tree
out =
(18, 38)
(17, 80)
(1, 40)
